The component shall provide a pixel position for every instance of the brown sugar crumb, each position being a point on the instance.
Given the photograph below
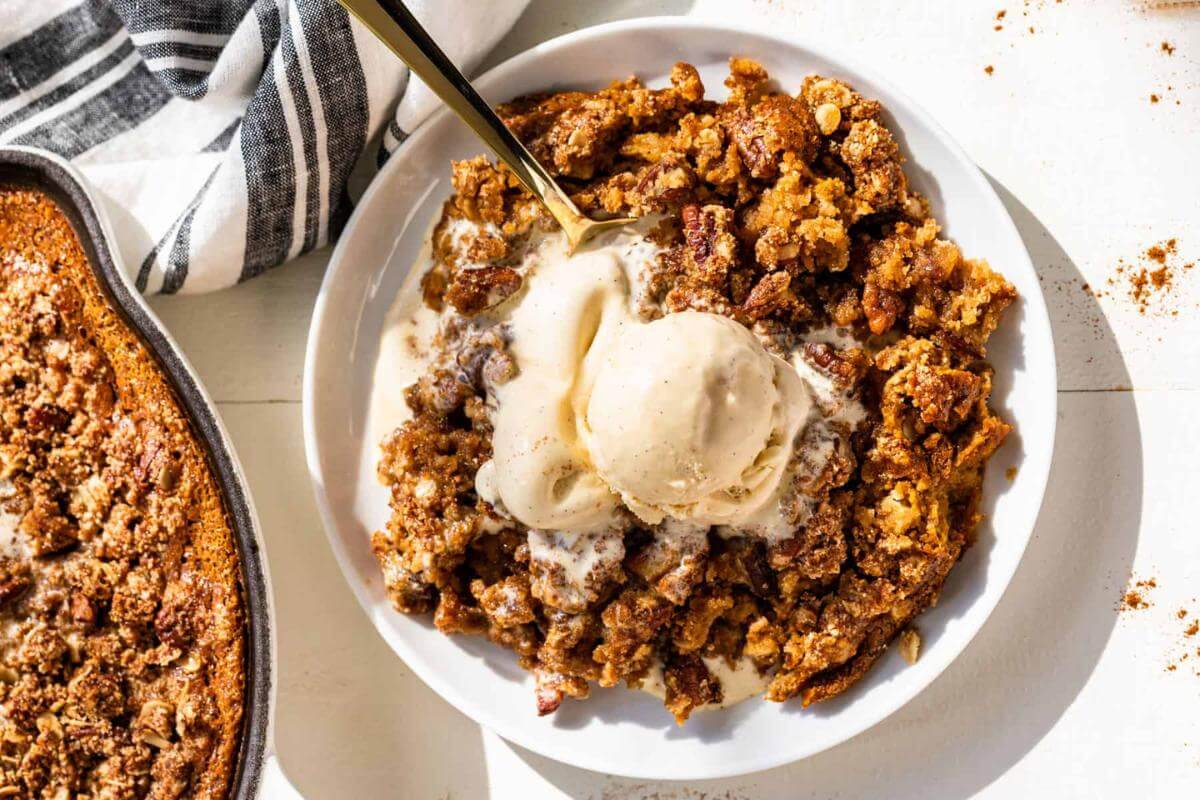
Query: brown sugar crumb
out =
(1167, 48)
(1001, 14)
(1192, 629)
(989, 69)
(1154, 98)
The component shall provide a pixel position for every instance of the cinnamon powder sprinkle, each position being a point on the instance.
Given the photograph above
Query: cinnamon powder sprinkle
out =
(1159, 252)
(1151, 283)
(1154, 98)
(1134, 601)
(1167, 48)
(989, 69)
(1189, 632)
(1135, 597)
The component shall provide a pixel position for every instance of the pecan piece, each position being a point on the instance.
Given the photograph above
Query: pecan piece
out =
(769, 296)
(689, 686)
(881, 306)
(757, 157)
(845, 367)
(81, 609)
(477, 289)
(945, 397)
(775, 125)
(708, 232)
(665, 184)
(13, 583)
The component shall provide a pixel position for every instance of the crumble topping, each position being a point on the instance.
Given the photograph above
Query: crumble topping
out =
(793, 217)
(120, 618)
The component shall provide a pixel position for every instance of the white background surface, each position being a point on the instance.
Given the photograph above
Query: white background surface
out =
(1060, 695)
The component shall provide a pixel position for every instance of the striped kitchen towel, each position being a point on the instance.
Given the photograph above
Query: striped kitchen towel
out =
(221, 135)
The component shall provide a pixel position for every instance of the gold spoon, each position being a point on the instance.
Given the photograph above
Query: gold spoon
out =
(399, 30)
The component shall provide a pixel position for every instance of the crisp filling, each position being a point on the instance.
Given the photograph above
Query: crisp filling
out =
(121, 623)
(744, 438)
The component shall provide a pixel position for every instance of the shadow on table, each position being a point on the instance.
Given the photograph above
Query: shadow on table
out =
(1038, 649)
(346, 706)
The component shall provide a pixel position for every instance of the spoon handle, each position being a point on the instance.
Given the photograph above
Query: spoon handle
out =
(396, 27)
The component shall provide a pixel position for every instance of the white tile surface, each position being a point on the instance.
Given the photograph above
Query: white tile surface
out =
(1060, 695)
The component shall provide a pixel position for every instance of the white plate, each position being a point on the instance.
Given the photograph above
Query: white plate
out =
(619, 731)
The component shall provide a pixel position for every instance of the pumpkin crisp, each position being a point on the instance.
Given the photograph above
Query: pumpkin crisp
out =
(792, 215)
(121, 620)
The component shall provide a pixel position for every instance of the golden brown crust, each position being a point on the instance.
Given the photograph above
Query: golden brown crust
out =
(786, 214)
(123, 653)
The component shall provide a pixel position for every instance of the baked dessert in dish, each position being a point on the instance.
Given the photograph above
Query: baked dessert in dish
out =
(121, 619)
(733, 450)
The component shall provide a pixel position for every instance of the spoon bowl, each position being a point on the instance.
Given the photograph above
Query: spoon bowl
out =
(397, 28)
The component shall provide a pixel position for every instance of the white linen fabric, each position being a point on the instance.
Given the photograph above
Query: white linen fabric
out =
(221, 135)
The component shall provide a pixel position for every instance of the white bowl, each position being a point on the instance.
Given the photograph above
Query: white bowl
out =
(619, 731)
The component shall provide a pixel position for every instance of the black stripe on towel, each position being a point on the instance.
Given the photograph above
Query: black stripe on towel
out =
(188, 15)
(59, 43)
(202, 52)
(96, 71)
(126, 104)
(224, 138)
(180, 254)
(343, 90)
(176, 270)
(385, 152)
(184, 82)
(190, 82)
(267, 153)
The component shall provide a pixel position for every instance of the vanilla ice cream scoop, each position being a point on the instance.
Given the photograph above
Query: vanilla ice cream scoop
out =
(689, 417)
(686, 416)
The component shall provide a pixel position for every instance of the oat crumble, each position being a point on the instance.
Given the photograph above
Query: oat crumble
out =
(787, 214)
(121, 672)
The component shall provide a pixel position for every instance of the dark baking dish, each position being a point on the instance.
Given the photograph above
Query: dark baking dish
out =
(256, 773)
